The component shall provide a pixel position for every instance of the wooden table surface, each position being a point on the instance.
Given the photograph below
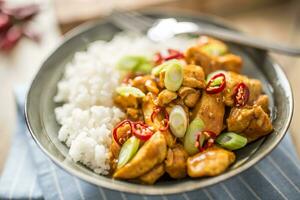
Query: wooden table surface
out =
(278, 22)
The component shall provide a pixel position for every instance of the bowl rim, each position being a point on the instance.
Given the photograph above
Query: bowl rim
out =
(144, 190)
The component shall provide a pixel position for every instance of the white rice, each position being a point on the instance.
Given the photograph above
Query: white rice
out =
(88, 114)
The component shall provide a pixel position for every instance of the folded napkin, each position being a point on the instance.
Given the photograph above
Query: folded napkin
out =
(29, 174)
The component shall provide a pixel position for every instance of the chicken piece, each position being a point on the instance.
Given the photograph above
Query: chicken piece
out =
(153, 152)
(193, 76)
(211, 110)
(133, 113)
(232, 80)
(126, 101)
(263, 101)
(165, 97)
(151, 86)
(161, 79)
(175, 163)
(153, 175)
(210, 162)
(148, 107)
(250, 121)
(140, 81)
(189, 96)
(230, 62)
(212, 60)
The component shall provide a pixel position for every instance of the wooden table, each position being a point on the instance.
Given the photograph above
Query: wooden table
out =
(278, 22)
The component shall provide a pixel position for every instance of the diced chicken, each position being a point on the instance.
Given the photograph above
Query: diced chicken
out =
(151, 86)
(153, 175)
(263, 101)
(148, 107)
(139, 82)
(230, 62)
(251, 121)
(153, 152)
(133, 113)
(232, 80)
(189, 96)
(211, 62)
(211, 110)
(126, 101)
(175, 164)
(165, 97)
(193, 76)
(211, 162)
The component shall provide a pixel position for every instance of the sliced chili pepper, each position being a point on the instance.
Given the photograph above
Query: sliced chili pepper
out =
(216, 84)
(141, 131)
(172, 54)
(241, 95)
(206, 142)
(165, 121)
(120, 141)
(158, 58)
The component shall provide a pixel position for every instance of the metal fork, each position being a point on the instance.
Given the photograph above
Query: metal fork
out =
(160, 30)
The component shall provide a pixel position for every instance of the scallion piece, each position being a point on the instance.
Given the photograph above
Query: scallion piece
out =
(215, 49)
(134, 63)
(129, 90)
(174, 75)
(156, 70)
(231, 141)
(209, 76)
(128, 150)
(178, 121)
(191, 136)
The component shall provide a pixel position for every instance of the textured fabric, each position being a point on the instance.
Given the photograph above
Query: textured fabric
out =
(29, 174)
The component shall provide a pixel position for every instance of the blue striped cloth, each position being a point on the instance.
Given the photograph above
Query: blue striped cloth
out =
(29, 174)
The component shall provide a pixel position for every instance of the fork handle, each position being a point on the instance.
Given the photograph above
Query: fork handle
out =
(239, 38)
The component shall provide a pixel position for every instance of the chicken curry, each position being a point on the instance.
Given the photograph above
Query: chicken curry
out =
(186, 113)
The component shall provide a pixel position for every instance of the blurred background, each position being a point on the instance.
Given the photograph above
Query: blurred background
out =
(22, 54)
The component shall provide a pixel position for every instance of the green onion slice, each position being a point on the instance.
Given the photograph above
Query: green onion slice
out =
(134, 63)
(128, 151)
(129, 90)
(231, 141)
(156, 70)
(209, 76)
(191, 136)
(178, 121)
(174, 75)
(215, 49)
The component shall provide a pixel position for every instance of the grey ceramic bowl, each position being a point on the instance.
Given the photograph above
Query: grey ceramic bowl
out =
(44, 128)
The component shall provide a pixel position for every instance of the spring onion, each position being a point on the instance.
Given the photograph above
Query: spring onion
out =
(129, 90)
(174, 75)
(128, 150)
(231, 141)
(209, 76)
(178, 121)
(191, 136)
(134, 63)
(215, 49)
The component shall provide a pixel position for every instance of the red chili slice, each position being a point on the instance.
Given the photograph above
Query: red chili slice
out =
(214, 89)
(208, 141)
(120, 141)
(141, 131)
(165, 121)
(158, 58)
(241, 95)
(173, 54)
